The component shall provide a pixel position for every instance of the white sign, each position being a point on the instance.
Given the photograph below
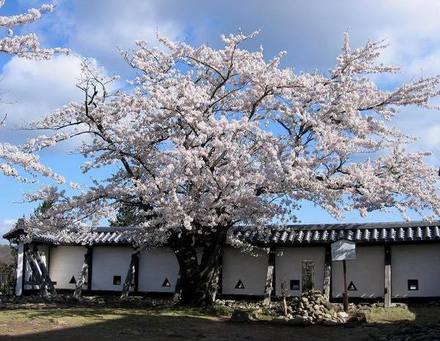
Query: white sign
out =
(343, 250)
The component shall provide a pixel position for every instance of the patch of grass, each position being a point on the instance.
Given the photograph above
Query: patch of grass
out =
(414, 313)
(221, 310)
(389, 315)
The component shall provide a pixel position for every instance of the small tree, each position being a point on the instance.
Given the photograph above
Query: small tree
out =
(210, 139)
(7, 271)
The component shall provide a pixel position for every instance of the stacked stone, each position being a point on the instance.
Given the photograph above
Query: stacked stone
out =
(312, 307)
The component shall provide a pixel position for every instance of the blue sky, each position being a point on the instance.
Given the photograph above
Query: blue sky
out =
(310, 31)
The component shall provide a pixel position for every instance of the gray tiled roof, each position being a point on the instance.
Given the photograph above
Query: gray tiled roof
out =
(277, 235)
(100, 235)
(327, 233)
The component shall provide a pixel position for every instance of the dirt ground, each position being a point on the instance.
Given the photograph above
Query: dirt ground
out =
(96, 323)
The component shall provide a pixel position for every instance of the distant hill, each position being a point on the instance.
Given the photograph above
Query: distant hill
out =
(5, 255)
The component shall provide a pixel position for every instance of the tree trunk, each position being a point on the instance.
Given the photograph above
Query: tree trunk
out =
(198, 280)
(130, 275)
(83, 276)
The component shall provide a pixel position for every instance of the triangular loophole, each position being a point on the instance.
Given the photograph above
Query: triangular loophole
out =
(72, 280)
(351, 287)
(239, 285)
(166, 283)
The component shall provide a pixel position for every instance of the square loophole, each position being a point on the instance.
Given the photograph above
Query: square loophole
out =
(116, 280)
(294, 284)
(413, 284)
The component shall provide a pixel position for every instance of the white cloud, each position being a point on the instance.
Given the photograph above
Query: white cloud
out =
(32, 88)
(432, 136)
(98, 28)
(311, 31)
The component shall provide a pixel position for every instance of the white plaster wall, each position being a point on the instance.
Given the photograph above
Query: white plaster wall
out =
(65, 262)
(288, 266)
(366, 272)
(109, 261)
(249, 269)
(421, 262)
(154, 266)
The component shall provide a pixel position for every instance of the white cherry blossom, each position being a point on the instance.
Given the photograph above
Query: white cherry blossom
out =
(209, 139)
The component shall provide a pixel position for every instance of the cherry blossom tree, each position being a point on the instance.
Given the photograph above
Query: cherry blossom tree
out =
(211, 139)
(25, 46)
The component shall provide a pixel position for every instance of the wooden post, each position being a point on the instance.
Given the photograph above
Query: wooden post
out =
(345, 295)
(89, 268)
(20, 270)
(220, 276)
(130, 275)
(270, 278)
(84, 272)
(327, 273)
(387, 289)
(136, 273)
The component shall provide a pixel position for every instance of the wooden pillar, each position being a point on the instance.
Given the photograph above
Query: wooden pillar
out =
(220, 275)
(387, 289)
(25, 267)
(89, 267)
(269, 288)
(19, 284)
(345, 294)
(136, 273)
(327, 273)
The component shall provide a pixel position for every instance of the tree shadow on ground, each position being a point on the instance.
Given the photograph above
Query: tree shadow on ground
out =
(81, 324)
(137, 327)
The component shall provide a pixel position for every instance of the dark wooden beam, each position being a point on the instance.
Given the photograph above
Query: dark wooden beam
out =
(89, 267)
(136, 273)
(387, 273)
(220, 275)
(345, 294)
(327, 284)
(269, 288)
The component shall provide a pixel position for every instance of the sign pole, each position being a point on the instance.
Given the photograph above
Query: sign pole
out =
(345, 295)
(341, 251)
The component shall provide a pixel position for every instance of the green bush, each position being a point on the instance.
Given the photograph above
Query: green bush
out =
(7, 284)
